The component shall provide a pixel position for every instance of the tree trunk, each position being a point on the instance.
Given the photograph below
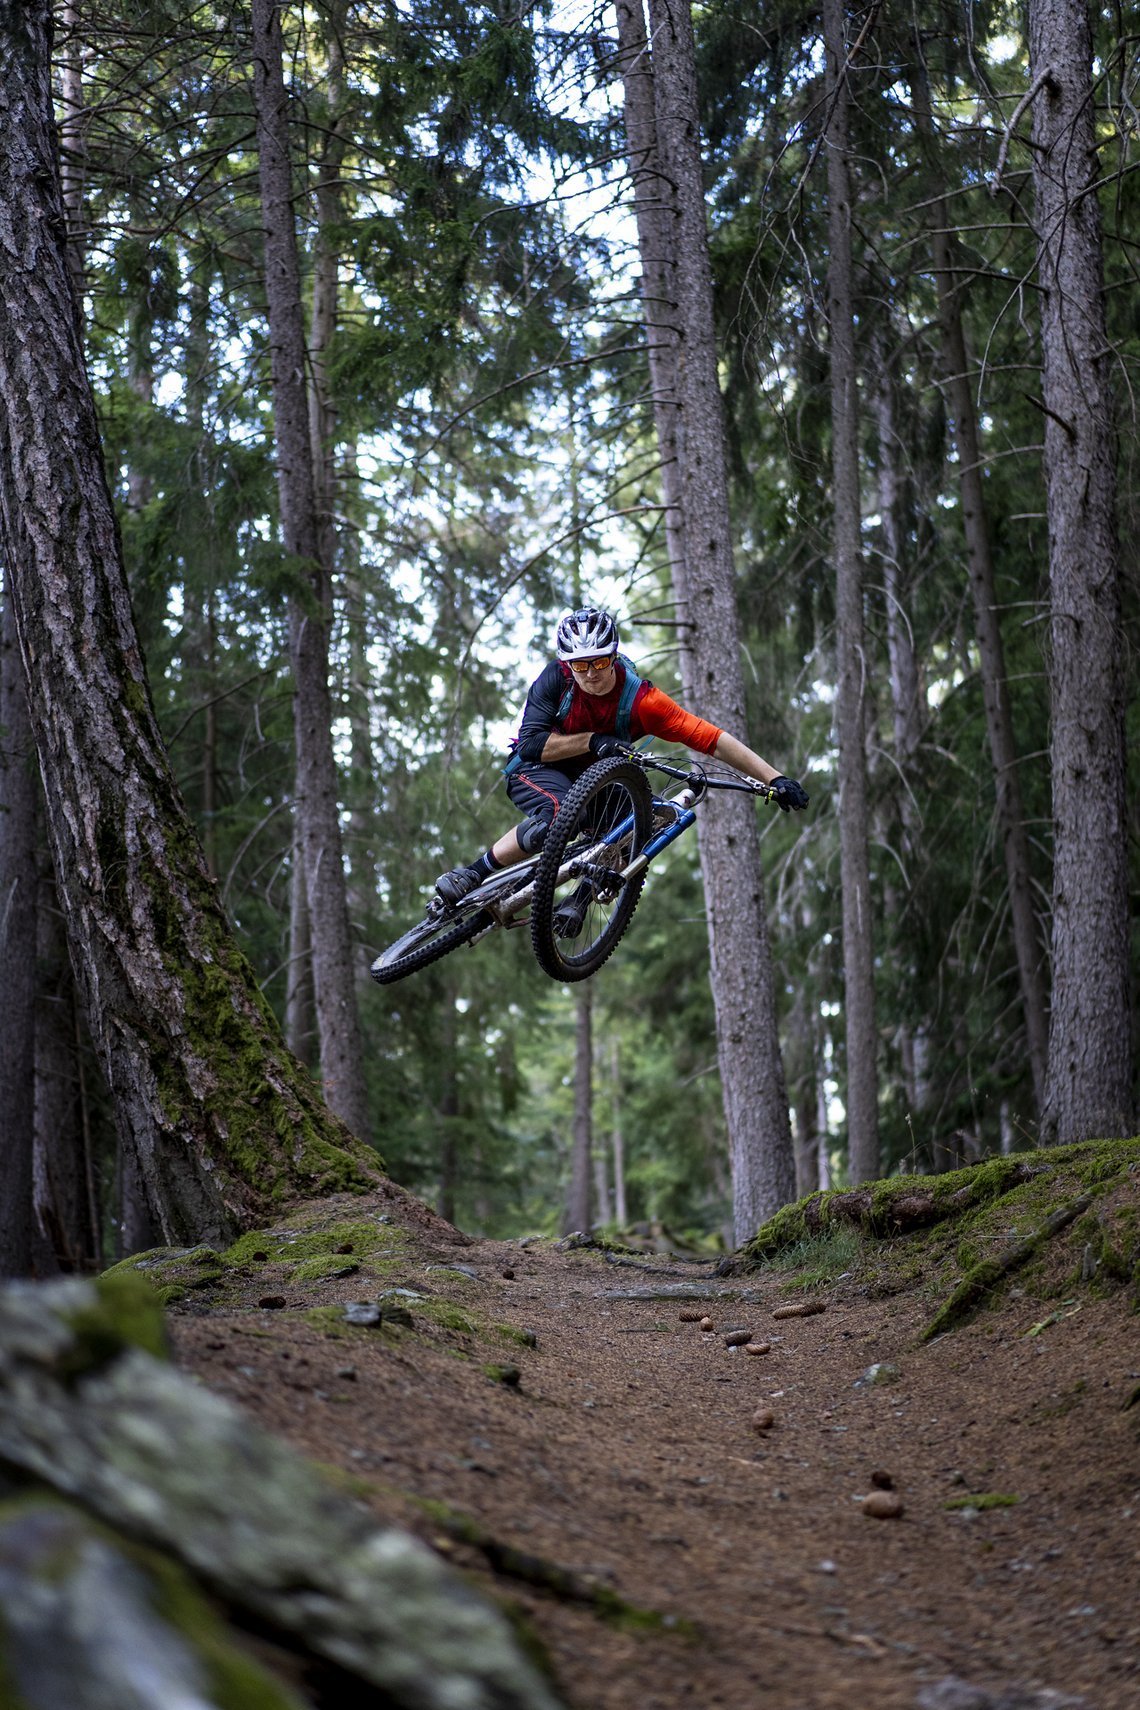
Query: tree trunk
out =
(851, 654)
(748, 1048)
(447, 1104)
(1089, 1082)
(300, 1000)
(908, 710)
(66, 1185)
(73, 146)
(1028, 944)
(655, 212)
(342, 1064)
(617, 1137)
(578, 1199)
(326, 266)
(223, 1123)
(17, 955)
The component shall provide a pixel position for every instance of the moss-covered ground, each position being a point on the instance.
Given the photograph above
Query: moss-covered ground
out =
(1054, 1219)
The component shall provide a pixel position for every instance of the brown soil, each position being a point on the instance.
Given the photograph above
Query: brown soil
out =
(626, 1455)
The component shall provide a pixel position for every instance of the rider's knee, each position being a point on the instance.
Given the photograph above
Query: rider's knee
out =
(532, 835)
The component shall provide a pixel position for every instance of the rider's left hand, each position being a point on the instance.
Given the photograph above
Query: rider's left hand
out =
(789, 793)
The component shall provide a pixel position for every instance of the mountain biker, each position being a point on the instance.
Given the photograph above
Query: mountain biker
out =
(588, 704)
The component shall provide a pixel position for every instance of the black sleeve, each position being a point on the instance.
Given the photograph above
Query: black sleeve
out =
(540, 712)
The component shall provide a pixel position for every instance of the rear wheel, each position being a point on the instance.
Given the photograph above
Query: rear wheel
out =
(612, 796)
(426, 943)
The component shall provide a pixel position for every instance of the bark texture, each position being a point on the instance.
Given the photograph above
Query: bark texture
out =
(578, 1198)
(1028, 942)
(219, 1116)
(655, 212)
(317, 805)
(66, 1188)
(17, 955)
(851, 655)
(1089, 1085)
(752, 1071)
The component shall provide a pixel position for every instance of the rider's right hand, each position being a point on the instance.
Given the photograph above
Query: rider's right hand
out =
(604, 747)
(789, 793)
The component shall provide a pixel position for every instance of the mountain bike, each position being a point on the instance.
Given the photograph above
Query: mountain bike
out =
(593, 865)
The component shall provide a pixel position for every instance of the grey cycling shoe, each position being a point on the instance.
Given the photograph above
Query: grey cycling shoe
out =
(457, 884)
(570, 916)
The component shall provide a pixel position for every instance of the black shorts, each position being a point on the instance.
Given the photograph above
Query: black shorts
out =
(538, 791)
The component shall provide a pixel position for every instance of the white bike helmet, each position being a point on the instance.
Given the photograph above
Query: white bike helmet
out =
(586, 633)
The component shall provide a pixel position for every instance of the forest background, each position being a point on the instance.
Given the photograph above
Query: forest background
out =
(479, 412)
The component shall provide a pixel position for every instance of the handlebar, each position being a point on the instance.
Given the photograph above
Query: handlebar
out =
(698, 779)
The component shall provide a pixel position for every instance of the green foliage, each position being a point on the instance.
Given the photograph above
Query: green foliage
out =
(488, 386)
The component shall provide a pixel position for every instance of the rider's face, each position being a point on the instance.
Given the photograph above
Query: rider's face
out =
(594, 682)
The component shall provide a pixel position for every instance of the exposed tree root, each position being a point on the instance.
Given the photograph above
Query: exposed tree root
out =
(548, 1576)
(978, 1282)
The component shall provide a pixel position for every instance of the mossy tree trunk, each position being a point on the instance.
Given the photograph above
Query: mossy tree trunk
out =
(220, 1117)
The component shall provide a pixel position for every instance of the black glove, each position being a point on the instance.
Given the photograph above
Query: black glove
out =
(789, 793)
(608, 747)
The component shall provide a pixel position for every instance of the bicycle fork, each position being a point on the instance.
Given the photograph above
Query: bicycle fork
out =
(683, 817)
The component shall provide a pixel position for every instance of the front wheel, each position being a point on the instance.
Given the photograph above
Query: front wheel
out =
(426, 943)
(603, 823)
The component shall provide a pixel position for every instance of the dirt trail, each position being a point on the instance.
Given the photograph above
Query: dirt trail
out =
(625, 1454)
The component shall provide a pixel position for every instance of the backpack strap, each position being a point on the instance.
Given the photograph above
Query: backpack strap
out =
(629, 690)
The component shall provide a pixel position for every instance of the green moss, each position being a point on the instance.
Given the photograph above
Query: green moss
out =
(445, 1315)
(317, 1270)
(1029, 1181)
(987, 1499)
(509, 1376)
(261, 1116)
(308, 1248)
(793, 1225)
(124, 1314)
(235, 1680)
(510, 1333)
(330, 1321)
(301, 1239)
(172, 1272)
(972, 1289)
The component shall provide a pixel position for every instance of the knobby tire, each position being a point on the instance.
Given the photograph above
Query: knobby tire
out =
(426, 942)
(608, 793)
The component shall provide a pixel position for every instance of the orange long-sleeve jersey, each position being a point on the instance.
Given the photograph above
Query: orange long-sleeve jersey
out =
(653, 713)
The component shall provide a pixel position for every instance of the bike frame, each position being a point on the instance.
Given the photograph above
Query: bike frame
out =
(509, 911)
